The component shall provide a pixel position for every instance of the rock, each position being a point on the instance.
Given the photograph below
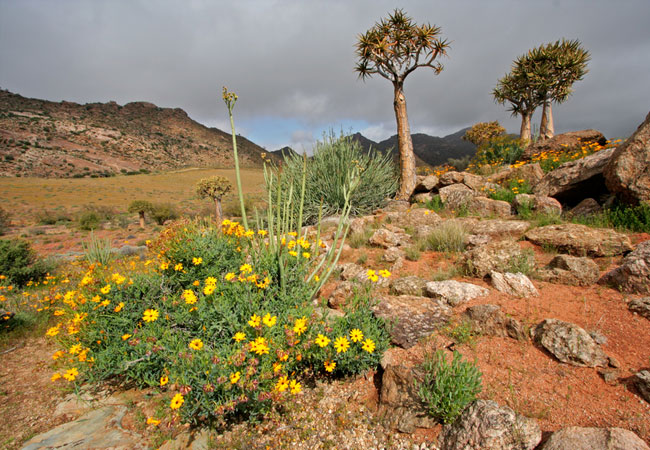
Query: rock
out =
(410, 285)
(190, 440)
(418, 217)
(352, 271)
(100, 428)
(451, 177)
(569, 182)
(425, 183)
(129, 250)
(610, 376)
(633, 275)
(580, 240)
(474, 182)
(531, 173)
(500, 256)
(455, 195)
(416, 317)
(399, 401)
(358, 225)
(515, 284)
(487, 207)
(454, 292)
(569, 343)
(579, 438)
(642, 380)
(384, 238)
(489, 320)
(476, 240)
(562, 142)
(500, 229)
(571, 270)
(339, 297)
(396, 206)
(626, 173)
(587, 207)
(641, 306)
(392, 254)
(422, 197)
(537, 203)
(484, 425)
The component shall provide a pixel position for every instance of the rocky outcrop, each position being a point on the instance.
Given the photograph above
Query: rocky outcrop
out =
(579, 438)
(515, 284)
(580, 240)
(569, 343)
(455, 195)
(484, 425)
(569, 182)
(454, 292)
(640, 306)
(587, 207)
(500, 229)
(562, 142)
(571, 270)
(627, 173)
(496, 255)
(425, 183)
(633, 275)
(340, 295)
(489, 320)
(415, 317)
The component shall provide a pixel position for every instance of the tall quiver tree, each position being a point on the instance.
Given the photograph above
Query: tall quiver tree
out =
(393, 48)
(516, 89)
(214, 188)
(141, 207)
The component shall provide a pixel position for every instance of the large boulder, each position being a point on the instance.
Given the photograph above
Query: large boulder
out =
(579, 438)
(640, 306)
(411, 285)
(563, 142)
(489, 320)
(484, 425)
(537, 203)
(487, 207)
(500, 256)
(633, 275)
(569, 182)
(386, 238)
(515, 284)
(425, 183)
(569, 343)
(571, 270)
(500, 229)
(454, 292)
(455, 195)
(580, 240)
(626, 173)
(416, 317)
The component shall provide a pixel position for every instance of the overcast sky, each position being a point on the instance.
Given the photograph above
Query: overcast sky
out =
(292, 62)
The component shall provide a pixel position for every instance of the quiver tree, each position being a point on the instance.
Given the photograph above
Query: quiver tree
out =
(483, 132)
(554, 68)
(214, 188)
(393, 48)
(141, 207)
(516, 89)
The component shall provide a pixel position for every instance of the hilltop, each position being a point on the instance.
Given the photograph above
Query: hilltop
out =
(64, 139)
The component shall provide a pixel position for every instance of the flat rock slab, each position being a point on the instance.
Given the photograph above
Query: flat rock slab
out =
(484, 425)
(454, 292)
(633, 275)
(569, 343)
(515, 284)
(501, 229)
(579, 438)
(489, 320)
(499, 256)
(98, 429)
(415, 317)
(411, 285)
(581, 240)
(571, 270)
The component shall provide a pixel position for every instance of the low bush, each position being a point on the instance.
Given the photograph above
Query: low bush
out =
(20, 264)
(93, 216)
(52, 217)
(162, 212)
(447, 388)
(510, 190)
(223, 322)
(435, 204)
(633, 218)
(97, 250)
(4, 221)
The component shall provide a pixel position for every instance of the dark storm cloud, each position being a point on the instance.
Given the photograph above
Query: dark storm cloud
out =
(291, 62)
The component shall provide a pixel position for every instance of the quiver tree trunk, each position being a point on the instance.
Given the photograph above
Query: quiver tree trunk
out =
(546, 128)
(524, 133)
(218, 211)
(141, 214)
(404, 145)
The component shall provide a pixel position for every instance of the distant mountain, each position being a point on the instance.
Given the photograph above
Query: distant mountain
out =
(283, 152)
(64, 139)
(429, 150)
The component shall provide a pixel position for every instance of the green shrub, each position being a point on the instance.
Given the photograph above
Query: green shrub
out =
(19, 263)
(449, 237)
(52, 217)
(435, 204)
(89, 220)
(329, 171)
(162, 212)
(4, 221)
(412, 253)
(499, 151)
(510, 190)
(633, 218)
(448, 388)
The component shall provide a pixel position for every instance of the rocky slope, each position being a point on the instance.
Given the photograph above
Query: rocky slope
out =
(65, 139)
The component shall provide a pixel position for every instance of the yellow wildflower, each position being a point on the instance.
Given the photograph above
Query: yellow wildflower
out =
(164, 380)
(106, 289)
(368, 345)
(269, 320)
(125, 336)
(71, 374)
(356, 335)
(197, 261)
(119, 307)
(234, 377)
(254, 321)
(329, 365)
(300, 326)
(150, 315)
(295, 387)
(341, 344)
(177, 401)
(196, 344)
(239, 336)
(322, 341)
(152, 421)
(282, 384)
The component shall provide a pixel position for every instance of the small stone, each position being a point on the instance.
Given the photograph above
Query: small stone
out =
(610, 376)
(515, 284)
(579, 438)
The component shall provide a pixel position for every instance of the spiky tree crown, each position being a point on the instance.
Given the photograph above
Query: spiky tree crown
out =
(213, 187)
(396, 46)
(140, 206)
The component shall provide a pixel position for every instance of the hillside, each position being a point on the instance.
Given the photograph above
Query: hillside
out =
(64, 139)
(431, 150)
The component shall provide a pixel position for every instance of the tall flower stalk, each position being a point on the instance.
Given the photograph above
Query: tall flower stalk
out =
(230, 98)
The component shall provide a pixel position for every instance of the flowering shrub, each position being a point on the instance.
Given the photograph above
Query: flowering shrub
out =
(551, 160)
(209, 321)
